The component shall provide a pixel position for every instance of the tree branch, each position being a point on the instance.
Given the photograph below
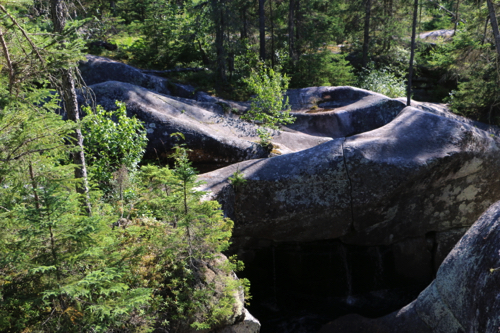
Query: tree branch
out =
(9, 62)
(33, 46)
(452, 14)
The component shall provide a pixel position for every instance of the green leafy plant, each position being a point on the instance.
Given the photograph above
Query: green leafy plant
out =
(112, 140)
(268, 108)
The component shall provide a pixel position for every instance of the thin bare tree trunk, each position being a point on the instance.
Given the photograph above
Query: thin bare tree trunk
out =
(262, 30)
(219, 43)
(412, 52)
(494, 25)
(9, 62)
(366, 39)
(485, 30)
(457, 18)
(68, 94)
(291, 32)
(272, 32)
(244, 26)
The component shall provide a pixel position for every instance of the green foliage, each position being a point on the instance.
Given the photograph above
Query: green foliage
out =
(59, 270)
(268, 108)
(187, 246)
(168, 30)
(30, 126)
(383, 81)
(471, 60)
(112, 140)
(64, 271)
(479, 96)
(237, 179)
(322, 69)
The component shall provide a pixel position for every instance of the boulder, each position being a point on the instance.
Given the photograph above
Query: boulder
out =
(438, 34)
(416, 177)
(212, 132)
(249, 324)
(100, 69)
(321, 113)
(295, 197)
(462, 298)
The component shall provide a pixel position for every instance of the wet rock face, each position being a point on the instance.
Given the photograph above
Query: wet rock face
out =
(464, 295)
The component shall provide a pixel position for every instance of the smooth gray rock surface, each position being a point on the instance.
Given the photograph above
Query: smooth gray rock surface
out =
(419, 175)
(100, 69)
(216, 135)
(212, 134)
(294, 197)
(443, 34)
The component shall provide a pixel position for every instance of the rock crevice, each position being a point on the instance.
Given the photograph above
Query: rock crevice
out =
(351, 228)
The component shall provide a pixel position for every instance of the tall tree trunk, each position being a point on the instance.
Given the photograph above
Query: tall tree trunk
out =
(244, 26)
(366, 39)
(457, 18)
(272, 32)
(494, 25)
(298, 25)
(291, 32)
(262, 30)
(219, 43)
(112, 4)
(68, 94)
(388, 23)
(412, 52)
(485, 30)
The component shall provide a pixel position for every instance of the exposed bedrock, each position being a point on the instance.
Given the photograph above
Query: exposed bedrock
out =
(357, 224)
(213, 135)
(462, 298)
(212, 125)
(417, 182)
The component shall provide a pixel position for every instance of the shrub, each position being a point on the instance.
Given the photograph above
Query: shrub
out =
(322, 69)
(112, 140)
(382, 81)
(268, 108)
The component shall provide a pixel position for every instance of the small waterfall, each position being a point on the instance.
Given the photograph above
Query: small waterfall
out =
(345, 259)
(378, 277)
(274, 279)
